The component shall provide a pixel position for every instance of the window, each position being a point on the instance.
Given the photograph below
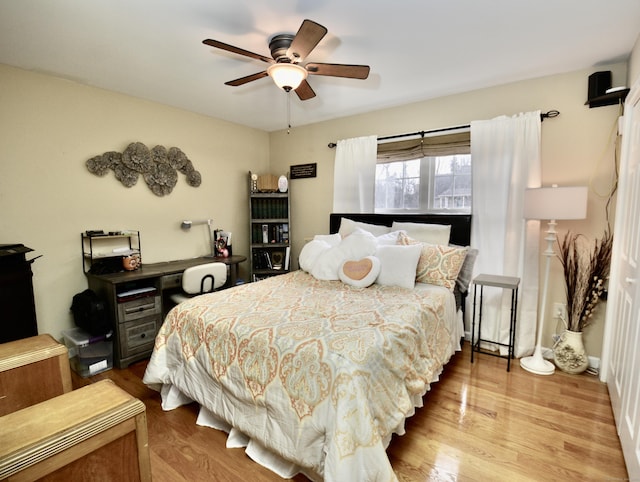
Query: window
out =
(409, 181)
(452, 182)
(398, 185)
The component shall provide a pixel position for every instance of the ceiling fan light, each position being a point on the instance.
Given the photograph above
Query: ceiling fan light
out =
(287, 76)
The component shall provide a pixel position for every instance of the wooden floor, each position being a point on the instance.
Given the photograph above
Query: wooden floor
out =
(479, 423)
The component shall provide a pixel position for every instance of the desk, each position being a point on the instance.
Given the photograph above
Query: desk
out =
(137, 321)
(497, 281)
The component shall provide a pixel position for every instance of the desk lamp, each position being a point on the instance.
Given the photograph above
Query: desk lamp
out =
(186, 225)
(550, 203)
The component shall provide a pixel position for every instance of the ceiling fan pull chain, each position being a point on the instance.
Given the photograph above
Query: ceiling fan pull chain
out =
(288, 113)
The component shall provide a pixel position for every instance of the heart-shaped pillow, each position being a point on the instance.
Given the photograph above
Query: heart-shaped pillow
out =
(360, 273)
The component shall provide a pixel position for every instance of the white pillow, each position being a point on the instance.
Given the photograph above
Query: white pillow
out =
(332, 239)
(360, 273)
(347, 226)
(358, 244)
(389, 238)
(398, 265)
(310, 252)
(425, 233)
(327, 264)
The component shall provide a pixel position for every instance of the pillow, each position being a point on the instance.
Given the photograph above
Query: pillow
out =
(360, 273)
(327, 264)
(347, 226)
(398, 265)
(310, 252)
(389, 238)
(466, 272)
(438, 264)
(332, 239)
(358, 244)
(425, 233)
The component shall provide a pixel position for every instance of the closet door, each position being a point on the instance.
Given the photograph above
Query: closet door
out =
(621, 367)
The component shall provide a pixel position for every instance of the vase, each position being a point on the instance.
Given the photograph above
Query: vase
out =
(569, 353)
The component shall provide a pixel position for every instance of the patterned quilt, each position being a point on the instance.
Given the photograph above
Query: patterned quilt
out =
(319, 372)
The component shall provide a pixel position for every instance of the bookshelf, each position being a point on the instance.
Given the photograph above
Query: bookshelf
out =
(269, 227)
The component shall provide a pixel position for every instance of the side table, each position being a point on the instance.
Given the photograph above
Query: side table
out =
(497, 281)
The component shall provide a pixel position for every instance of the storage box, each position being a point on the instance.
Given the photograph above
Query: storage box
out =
(88, 355)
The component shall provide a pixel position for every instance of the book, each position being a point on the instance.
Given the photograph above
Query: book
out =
(287, 255)
(267, 259)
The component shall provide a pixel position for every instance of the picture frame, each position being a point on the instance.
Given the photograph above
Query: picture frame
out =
(277, 259)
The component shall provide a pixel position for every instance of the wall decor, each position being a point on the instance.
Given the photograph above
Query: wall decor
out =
(302, 171)
(158, 166)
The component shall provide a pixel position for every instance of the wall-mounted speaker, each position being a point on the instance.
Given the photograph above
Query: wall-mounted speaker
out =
(599, 82)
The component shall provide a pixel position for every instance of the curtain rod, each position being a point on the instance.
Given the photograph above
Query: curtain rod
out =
(543, 116)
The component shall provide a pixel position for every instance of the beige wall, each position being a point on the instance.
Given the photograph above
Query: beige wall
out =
(49, 127)
(577, 149)
(634, 64)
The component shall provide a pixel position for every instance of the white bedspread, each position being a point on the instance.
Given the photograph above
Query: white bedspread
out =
(317, 373)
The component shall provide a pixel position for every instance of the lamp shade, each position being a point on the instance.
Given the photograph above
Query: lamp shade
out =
(555, 203)
(287, 76)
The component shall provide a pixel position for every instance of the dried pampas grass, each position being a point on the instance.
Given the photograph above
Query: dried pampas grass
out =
(586, 270)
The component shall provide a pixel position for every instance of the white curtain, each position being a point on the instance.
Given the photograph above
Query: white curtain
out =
(506, 160)
(354, 175)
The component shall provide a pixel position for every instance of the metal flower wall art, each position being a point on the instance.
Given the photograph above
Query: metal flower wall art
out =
(159, 167)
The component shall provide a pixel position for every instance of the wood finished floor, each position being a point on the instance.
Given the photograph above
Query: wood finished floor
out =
(479, 423)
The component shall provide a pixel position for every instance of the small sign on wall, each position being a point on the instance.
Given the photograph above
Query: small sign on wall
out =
(302, 171)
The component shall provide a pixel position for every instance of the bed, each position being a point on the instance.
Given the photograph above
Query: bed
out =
(312, 376)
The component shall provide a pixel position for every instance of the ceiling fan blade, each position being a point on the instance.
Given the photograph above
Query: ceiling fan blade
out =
(248, 78)
(308, 36)
(339, 70)
(304, 91)
(237, 50)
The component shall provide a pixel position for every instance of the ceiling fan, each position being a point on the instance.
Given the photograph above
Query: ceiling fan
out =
(287, 51)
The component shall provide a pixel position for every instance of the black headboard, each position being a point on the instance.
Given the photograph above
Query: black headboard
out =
(460, 223)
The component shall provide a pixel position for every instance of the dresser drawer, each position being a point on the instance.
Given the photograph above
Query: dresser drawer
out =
(171, 281)
(138, 336)
(140, 308)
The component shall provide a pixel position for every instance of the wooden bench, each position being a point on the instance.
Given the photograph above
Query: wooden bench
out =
(98, 432)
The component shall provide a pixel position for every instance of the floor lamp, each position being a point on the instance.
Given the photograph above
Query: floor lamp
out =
(551, 203)
(186, 225)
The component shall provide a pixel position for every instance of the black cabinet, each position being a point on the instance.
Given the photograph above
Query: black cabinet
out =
(18, 312)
